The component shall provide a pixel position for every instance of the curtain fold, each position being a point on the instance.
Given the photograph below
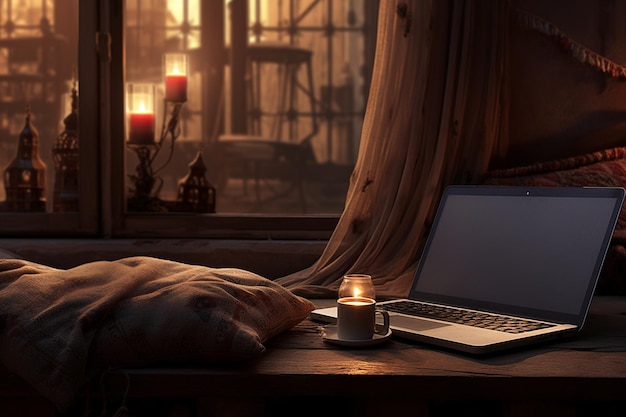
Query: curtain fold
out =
(436, 115)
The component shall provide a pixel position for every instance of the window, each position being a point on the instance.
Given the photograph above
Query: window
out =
(267, 131)
(38, 71)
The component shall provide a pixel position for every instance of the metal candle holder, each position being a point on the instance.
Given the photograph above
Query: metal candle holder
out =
(147, 184)
(195, 192)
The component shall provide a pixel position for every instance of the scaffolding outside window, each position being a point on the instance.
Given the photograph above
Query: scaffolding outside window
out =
(38, 48)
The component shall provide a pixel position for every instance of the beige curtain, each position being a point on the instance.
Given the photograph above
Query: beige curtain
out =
(435, 116)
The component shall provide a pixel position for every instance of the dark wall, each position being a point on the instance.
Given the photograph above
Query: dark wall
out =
(559, 106)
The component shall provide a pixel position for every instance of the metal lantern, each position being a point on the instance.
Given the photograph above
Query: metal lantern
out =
(25, 177)
(195, 193)
(65, 156)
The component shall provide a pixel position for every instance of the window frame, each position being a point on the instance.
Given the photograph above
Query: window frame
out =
(102, 184)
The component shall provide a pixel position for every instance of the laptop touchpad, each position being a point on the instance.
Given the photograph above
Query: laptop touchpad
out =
(414, 323)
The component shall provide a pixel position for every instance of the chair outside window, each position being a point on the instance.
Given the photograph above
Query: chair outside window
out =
(276, 149)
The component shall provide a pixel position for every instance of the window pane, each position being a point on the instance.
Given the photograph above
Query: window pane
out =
(276, 123)
(38, 60)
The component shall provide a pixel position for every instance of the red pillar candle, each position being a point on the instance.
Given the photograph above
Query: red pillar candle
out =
(176, 88)
(140, 112)
(175, 70)
(141, 128)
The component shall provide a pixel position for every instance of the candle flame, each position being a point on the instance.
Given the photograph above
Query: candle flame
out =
(141, 106)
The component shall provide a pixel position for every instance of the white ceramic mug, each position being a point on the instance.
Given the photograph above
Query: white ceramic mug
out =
(356, 319)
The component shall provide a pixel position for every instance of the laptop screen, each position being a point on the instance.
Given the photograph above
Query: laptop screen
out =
(518, 250)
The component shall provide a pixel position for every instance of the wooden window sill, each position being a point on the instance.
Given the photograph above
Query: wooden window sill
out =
(269, 258)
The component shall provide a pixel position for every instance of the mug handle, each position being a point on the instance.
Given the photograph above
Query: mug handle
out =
(382, 328)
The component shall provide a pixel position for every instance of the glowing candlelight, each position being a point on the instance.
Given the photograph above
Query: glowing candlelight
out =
(356, 307)
(176, 78)
(358, 286)
(140, 111)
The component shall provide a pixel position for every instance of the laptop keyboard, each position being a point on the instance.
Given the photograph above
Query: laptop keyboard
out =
(467, 317)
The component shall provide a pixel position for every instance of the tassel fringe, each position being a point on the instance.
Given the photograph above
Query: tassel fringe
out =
(575, 49)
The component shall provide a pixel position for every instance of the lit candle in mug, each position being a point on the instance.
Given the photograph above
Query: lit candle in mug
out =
(140, 110)
(356, 309)
(176, 78)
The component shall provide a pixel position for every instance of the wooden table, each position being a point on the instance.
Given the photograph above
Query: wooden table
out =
(300, 375)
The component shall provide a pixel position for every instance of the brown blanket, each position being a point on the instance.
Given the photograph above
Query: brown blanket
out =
(605, 168)
(58, 325)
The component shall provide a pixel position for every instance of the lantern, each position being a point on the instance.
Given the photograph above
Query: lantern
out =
(25, 177)
(65, 156)
(195, 193)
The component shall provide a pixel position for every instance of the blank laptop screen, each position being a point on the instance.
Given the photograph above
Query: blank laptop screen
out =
(531, 251)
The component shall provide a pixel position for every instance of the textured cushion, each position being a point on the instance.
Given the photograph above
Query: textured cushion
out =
(200, 314)
(57, 325)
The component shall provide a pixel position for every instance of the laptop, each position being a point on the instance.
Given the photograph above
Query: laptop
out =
(505, 267)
